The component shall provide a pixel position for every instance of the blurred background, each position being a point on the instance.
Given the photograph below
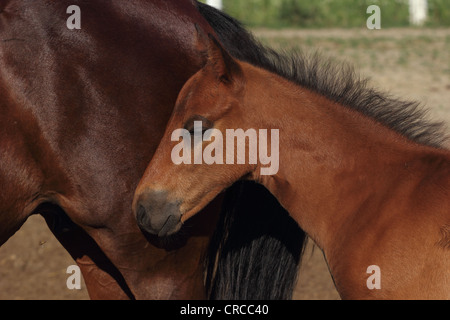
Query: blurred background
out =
(330, 13)
(409, 57)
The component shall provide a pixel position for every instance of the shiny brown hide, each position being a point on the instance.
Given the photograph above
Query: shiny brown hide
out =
(82, 112)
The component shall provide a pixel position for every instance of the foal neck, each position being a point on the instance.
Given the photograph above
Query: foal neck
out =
(338, 168)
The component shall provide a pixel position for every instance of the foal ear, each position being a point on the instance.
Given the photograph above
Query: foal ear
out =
(225, 67)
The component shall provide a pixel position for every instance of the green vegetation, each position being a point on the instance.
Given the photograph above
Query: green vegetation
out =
(330, 13)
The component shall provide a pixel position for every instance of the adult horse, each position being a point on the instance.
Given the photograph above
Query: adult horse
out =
(365, 175)
(82, 111)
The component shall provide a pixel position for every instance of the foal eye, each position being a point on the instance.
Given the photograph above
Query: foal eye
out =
(205, 124)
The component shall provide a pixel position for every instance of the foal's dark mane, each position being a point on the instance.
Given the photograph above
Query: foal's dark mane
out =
(340, 83)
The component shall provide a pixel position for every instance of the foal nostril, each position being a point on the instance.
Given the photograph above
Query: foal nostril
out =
(141, 216)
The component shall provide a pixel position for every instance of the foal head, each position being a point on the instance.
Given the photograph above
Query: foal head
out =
(177, 183)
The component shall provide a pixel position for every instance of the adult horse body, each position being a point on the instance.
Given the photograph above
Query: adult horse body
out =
(82, 112)
(363, 174)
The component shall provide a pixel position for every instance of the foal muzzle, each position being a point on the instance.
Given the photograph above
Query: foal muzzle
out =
(157, 215)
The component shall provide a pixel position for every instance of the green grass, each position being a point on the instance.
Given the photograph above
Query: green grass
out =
(329, 13)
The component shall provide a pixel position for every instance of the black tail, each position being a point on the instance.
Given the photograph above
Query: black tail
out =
(256, 249)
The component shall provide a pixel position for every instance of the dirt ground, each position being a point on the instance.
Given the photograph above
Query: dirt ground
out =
(410, 63)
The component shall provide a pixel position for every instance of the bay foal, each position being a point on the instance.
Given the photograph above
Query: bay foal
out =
(363, 174)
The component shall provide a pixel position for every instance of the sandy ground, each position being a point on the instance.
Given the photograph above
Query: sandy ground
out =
(413, 63)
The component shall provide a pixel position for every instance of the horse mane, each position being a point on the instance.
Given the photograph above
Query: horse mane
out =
(257, 247)
(338, 82)
(341, 84)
